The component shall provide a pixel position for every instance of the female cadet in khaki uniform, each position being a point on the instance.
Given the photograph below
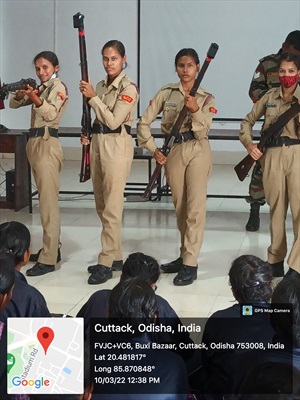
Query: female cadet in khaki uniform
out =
(44, 153)
(280, 163)
(114, 102)
(189, 162)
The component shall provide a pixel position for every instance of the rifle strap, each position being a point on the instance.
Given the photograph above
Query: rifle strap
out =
(283, 119)
(274, 130)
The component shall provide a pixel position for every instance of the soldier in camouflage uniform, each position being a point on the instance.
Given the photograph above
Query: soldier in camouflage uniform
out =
(265, 78)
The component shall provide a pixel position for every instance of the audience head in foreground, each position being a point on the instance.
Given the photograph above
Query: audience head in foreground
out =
(250, 279)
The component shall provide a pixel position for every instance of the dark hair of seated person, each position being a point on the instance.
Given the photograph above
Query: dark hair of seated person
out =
(7, 277)
(132, 301)
(15, 237)
(141, 265)
(287, 292)
(271, 381)
(250, 279)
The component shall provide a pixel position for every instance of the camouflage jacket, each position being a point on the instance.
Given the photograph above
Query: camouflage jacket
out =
(265, 76)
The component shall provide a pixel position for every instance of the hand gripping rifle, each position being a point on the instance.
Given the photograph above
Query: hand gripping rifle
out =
(169, 140)
(15, 86)
(86, 124)
(271, 133)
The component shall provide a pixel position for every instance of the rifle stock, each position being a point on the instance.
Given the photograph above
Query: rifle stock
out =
(85, 163)
(179, 121)
(271, 133)
(152, 182)
(85, 171)
(243, 167)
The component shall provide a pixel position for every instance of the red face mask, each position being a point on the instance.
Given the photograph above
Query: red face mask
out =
(288, 81)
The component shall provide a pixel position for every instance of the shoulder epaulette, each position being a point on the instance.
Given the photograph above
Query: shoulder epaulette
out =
(270, 57)
(66, 89)
(170, 86)
(207, 99)
(127, 81)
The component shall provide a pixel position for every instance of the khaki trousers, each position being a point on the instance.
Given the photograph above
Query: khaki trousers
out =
(281, 179)
(188, 168)
(111, 159)
(45, 156)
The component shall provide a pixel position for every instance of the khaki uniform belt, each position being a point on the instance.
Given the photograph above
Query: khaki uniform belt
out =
(37, 132)
(101, 128)
(184, 137)
(283, 141)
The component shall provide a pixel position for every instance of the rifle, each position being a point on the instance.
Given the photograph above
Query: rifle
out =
(15, 86)
(86, 124)
(169, 140)
(271, 133)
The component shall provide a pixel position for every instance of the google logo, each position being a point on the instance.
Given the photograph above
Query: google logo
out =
(38, 383)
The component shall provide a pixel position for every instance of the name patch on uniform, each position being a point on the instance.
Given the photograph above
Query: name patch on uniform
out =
(169, 104)
(272, 73)
(213, 110)
(270, 105)
(127, 98)
(61, 95)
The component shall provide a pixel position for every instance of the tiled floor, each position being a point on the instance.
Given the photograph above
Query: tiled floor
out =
(151, 228)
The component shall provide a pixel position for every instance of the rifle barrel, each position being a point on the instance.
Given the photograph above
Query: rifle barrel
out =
(86, 109)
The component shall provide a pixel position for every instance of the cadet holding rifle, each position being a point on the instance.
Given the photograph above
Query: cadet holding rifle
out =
(114, 102)
(265, 78)
(280, 163)
(44, 153)
(188, 164)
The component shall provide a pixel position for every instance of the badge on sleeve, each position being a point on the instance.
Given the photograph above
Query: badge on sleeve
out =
(61, 95)
(127, 98)
(213, 110)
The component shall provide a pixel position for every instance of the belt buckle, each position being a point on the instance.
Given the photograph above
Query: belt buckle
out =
(101, 128)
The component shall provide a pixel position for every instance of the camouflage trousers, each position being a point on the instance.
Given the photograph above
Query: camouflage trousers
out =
(256, 189)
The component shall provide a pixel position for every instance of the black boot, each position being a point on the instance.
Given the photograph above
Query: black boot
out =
(40, 269)
(116, 266)
(277, 269)
(102, 275)
(185, 276)
(254, 220)
(172, 267)
(35, 256)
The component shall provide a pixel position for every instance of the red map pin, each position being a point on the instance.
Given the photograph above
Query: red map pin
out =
(45, 336)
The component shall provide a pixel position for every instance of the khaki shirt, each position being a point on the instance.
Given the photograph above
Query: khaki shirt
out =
(170, 101)
(271, 105)
(55, 98)
(114, 104)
